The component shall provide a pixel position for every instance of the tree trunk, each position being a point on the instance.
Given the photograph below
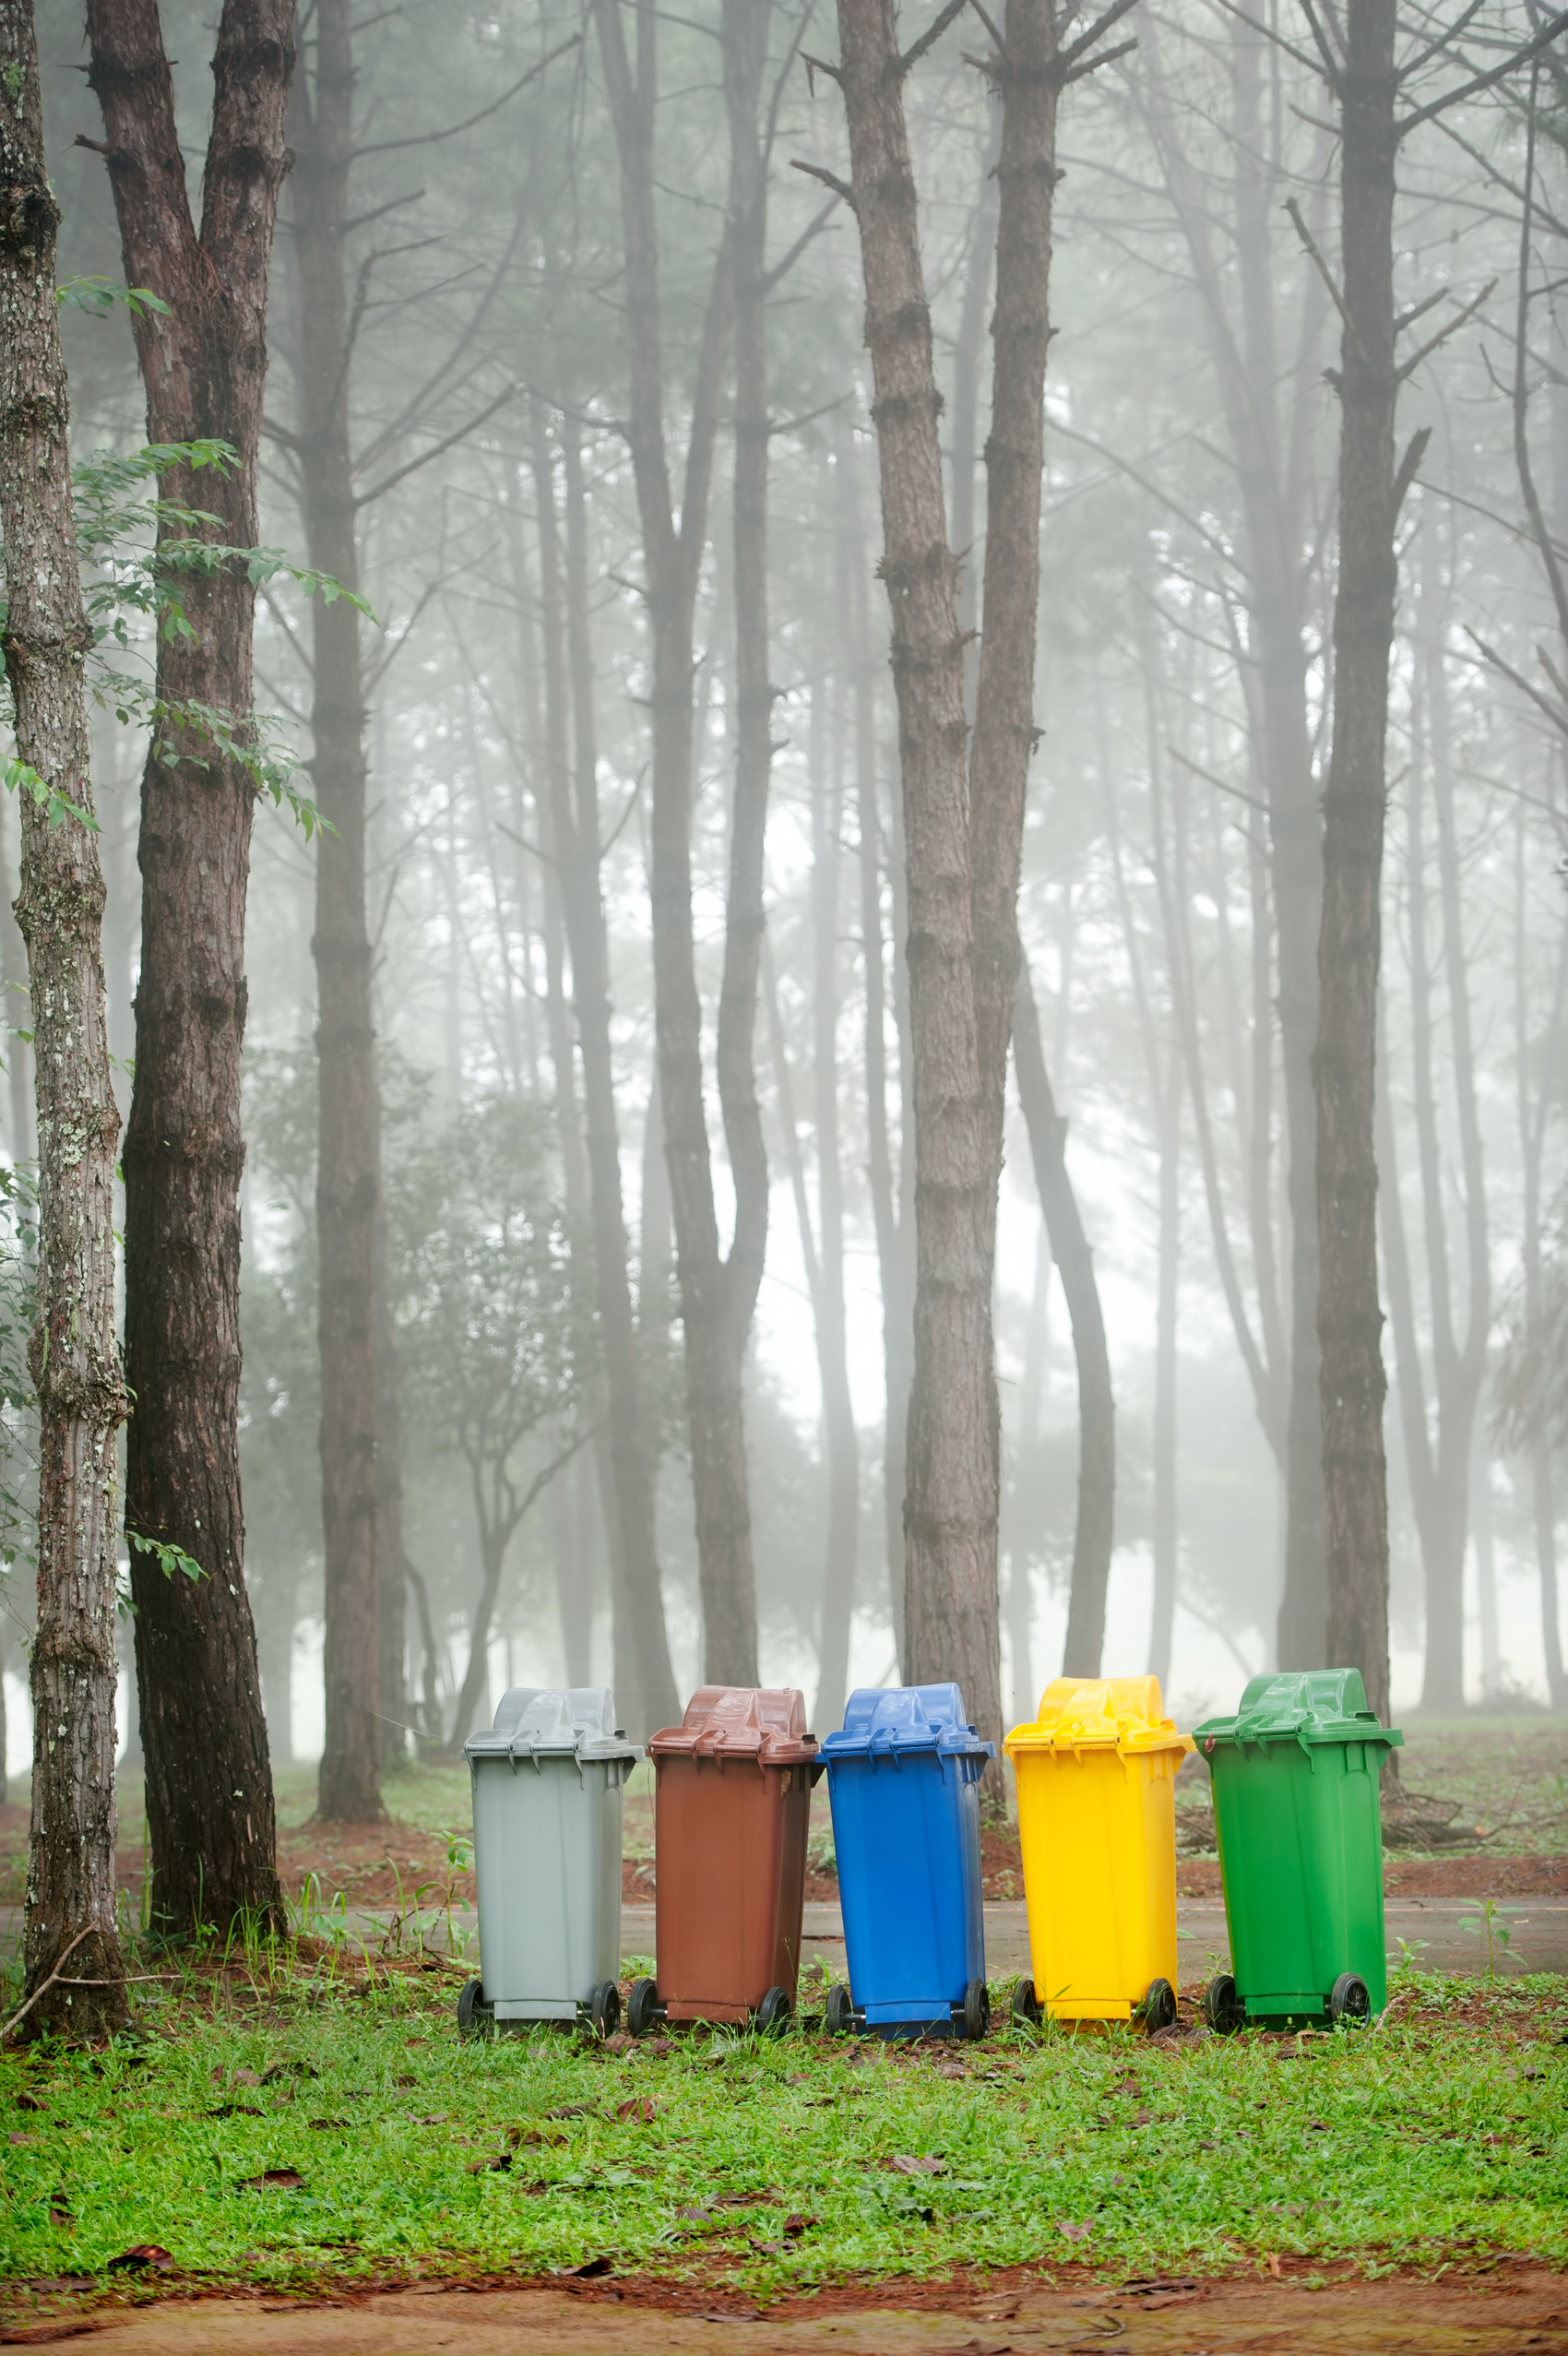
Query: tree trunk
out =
(74, 1362)
(840, 1441)
(15, 1017)
(347, 1181)
(894, 1233)
(1535, 1111)
(1348, 1317)
(1094, 1533)
(717, 1293)
(1166, 1519)
(203, 361)
(645, 1681)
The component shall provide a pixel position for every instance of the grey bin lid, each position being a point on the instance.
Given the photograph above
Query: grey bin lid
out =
(553, 1721)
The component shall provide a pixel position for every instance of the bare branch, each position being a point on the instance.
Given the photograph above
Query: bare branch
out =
(813, 229)
(1310, 242)
(829, 180)
(429, 138)
(438, 449)
(1407, 465)
(1444, 41)
(1068, 57)
(1093, 65)
(1444, 332)
(1523, 56)
(932, 35)
(1557, 718)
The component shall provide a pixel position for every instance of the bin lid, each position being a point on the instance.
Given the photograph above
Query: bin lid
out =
(878, 1720)
(1304, 1706)
(763, 1722)
(1100, 1713)
(543, 1721)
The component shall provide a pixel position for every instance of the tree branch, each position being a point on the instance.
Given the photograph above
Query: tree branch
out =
(429, 138)
(1444, 333)
(1532, 49)
(400, 474)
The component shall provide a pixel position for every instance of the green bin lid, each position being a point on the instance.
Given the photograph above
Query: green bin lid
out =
(1302, 1706)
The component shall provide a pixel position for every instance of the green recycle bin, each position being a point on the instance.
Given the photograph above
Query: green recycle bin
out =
(1300, 1826)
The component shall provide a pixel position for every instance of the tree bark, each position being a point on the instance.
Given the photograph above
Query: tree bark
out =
(645, 1681)
(718, 1291)
(964, 832)
(203, 362)
(72, 1356)
(1094, 1533)
(1349, 1321)
(840, 1440)
(347, 1181)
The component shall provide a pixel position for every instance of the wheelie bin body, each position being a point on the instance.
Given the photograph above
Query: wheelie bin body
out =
(1299, 1819)
(547, 1781)
(903, 1778)
(1096, 1823)
(732, 1812)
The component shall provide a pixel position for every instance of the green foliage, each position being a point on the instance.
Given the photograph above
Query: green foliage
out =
(765, 2164)
(98, 297)
(169, 1557)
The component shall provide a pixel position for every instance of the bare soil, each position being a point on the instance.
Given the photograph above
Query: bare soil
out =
(1514, 2308)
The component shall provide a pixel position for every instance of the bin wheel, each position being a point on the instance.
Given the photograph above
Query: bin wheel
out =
(774, 2013)
(1158, 2010)
(977, 2009)
(1350, 2001)
(472, 2008)
(1026, 2005)
(604, 2009)
(642, 2007)
(1223, 2008)
(839, 2014)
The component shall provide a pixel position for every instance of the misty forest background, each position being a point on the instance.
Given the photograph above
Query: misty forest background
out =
(499, 546)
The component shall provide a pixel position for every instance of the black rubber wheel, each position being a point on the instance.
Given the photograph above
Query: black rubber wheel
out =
(604, 2009)
(1223, 2009)
(773, 2014)
(977, 2009)
(473, 2010)
(642, 2007)
(1350, 2001)
(839, 2013)
(1158, 2010)
(1026, 2005)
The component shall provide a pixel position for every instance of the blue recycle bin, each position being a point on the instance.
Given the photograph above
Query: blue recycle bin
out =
(903, 1778)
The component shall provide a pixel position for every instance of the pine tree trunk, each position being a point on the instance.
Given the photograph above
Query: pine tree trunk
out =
(203, 361)
(645, 1681)
(963, 833)
(840, 1439)
(81, 1397)
(1094, 1533)
(1349, 1319)
(348, 1180)
(717, 1292)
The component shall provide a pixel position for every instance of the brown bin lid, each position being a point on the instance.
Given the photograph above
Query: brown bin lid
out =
(766, 1723)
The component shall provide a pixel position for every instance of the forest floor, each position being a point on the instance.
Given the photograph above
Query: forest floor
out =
(1483, 1813)
(302, 2127)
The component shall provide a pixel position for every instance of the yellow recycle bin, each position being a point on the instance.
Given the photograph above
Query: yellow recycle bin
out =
(1097, 1819)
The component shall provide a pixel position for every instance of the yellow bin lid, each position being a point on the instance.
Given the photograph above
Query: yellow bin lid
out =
(1100, 1713)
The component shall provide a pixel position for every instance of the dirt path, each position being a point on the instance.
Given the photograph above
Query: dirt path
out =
(1519, 2308)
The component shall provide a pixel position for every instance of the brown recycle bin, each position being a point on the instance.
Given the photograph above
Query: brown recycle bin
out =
(731, 1808)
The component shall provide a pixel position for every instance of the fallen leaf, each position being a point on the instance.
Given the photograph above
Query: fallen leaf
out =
(1141, 2118)
(639, 2107)
(497, 2165)
(60, 2211)
(26, 2102)
(591, 2271)
(436, 2119)
(142, 2257)
(248, 2078)
(15, 2138)
(905, 2163)
(327, 2122)
(273, 2180)
(1274, 2265)
(796, 2224)
(276, 2070)
(1073, 2232)
(570, 2110)
(233, 2110)
(1317, 2126)
(520, 2139)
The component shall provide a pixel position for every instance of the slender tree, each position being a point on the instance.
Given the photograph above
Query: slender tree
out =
(75, 1975)
(963, 819)
(718, 1289)
(203, 358)
(347, 1178)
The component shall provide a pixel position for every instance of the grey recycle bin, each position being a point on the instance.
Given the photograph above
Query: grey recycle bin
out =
(547, 1781)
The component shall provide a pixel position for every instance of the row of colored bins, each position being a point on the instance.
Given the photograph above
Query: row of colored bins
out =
(1295, 1775)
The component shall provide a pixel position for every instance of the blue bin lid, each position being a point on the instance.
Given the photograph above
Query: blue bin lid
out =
(879, 1719)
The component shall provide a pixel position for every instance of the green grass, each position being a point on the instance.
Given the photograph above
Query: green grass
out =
(764, 2165)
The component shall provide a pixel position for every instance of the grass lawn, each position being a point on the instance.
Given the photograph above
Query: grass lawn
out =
(323, 2121)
